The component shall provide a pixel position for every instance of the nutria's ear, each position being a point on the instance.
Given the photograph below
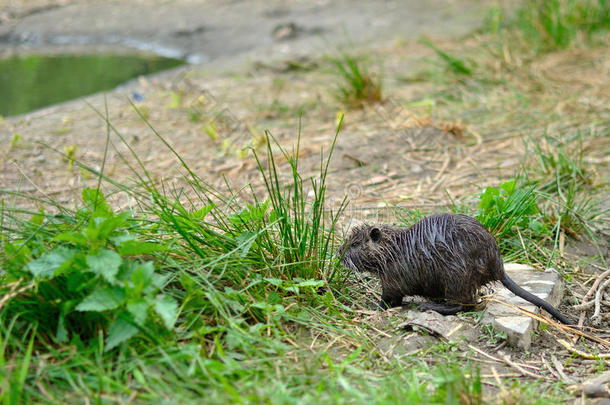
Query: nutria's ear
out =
(375, 235)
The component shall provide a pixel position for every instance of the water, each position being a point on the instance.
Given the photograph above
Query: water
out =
(31, 82)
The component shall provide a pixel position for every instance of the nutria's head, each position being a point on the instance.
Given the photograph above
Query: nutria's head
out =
(366, 248)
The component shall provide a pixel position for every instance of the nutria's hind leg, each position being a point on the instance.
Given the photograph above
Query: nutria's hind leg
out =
(443, 309)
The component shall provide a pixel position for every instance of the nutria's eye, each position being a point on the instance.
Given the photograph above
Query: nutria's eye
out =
(355, 244)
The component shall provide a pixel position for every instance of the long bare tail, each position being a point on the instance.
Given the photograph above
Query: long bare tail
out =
(526, 295)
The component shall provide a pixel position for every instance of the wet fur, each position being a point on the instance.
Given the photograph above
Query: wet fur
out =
(444, 257)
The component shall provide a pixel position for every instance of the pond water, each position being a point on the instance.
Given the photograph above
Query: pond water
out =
(34, 81)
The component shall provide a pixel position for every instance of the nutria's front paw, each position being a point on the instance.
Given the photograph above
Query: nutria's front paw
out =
(389, 302)
(380, 306)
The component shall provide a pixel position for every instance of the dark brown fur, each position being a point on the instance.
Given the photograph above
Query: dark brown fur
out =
(444, 257)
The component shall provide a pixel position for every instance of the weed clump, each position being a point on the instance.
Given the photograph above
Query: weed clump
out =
(357, 86)
(73, 276)
(564, 181)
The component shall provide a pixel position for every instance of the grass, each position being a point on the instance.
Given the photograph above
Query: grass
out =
(200, 294)
(452, 64)
(356, 85)
(547, 25)
(564, 179)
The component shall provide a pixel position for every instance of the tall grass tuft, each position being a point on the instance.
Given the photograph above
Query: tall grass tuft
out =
(357, 86)
(304, 242)
(565, 182)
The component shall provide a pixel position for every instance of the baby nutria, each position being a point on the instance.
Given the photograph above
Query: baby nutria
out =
(442, 257)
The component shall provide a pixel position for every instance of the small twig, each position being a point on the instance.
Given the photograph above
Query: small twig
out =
(551, 369)
(497, 378)
(379, 331)
(443, 168)
(527, 256)
(438, 183)
(507, 360)
(358, 161)
(559, 369)
(598, 297)
(489, 356)
(584, 306)
(582, 354)
(517, 367)
(15, 292)
(458, 327)
(589, 293)
(505, 375)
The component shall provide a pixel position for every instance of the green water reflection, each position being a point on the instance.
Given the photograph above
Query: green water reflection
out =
(31, 82)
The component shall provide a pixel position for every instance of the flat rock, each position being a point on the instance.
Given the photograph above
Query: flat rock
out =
(547, 285)
(437, 325)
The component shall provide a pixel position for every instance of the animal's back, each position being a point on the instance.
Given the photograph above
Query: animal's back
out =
(449, 256)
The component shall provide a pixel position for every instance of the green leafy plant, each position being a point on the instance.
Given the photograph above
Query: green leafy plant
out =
(83, 276)
(511, 205)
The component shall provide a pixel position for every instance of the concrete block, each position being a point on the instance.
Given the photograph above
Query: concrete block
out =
(547, 285)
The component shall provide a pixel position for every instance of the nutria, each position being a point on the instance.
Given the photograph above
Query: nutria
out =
(444, 257)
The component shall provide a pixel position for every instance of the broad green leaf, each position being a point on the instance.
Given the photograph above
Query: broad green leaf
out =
(76, 238)
(292, 288)
(167, 308)
(62, 334)
(157, 281)
(102, 299)
(202, 212)
(105, 263)
(311, 283)
(487, 198)
(245, 241)
(188, 284)
(269, 308)
(120, 331)
(117, 239)
(142, 276)
(509, 186)
(95, 201)
(135, 247)
(108, 225)
(274, 281)
(47, 264)
(37, 219)
(138, 310)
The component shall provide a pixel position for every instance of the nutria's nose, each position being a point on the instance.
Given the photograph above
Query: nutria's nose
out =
(340, 251)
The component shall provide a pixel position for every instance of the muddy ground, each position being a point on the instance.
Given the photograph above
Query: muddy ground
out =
(226, 32)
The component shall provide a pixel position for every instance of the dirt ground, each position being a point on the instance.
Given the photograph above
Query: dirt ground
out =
(226, 32)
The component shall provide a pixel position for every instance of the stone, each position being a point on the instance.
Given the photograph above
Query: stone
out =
(547, 285)
(449, 327)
